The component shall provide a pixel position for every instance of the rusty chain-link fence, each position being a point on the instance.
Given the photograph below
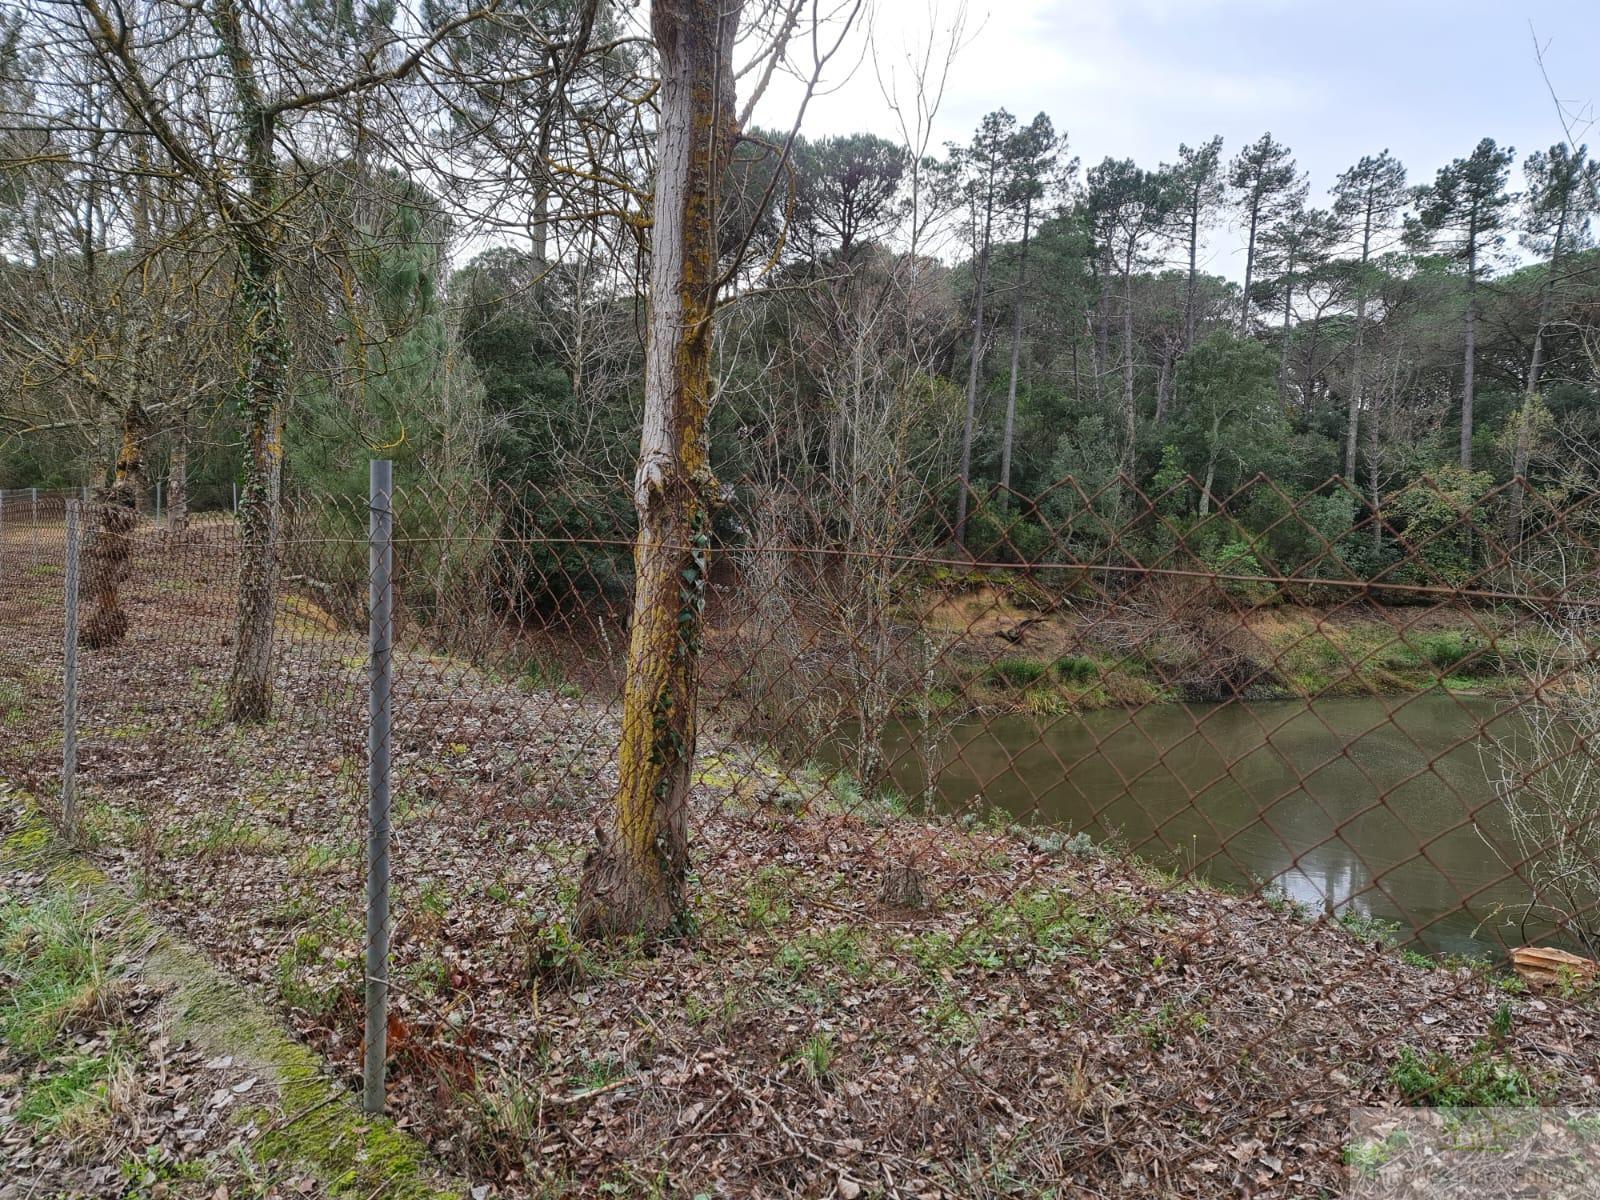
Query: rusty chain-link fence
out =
(1107, 848)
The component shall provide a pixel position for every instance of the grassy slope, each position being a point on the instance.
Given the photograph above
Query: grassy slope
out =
(85, 1059)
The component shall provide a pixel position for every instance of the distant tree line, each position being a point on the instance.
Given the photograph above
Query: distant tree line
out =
(976, 325)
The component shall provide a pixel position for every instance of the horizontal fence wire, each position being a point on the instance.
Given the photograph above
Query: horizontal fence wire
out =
(1095, 846)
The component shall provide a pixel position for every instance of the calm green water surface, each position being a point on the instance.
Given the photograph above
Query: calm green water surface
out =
(1380, 805)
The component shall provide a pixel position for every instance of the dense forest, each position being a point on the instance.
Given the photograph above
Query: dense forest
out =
(989, 320)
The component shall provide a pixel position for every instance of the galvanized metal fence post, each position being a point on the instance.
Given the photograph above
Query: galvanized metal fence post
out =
(380, 562)
(158, 504)
(69, 680)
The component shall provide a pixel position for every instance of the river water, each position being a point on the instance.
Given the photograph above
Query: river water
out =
(1381, 805)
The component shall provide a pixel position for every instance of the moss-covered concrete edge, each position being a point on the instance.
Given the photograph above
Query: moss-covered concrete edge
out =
(322, 1131)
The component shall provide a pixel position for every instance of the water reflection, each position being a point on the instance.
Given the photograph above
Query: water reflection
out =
(1381, 805)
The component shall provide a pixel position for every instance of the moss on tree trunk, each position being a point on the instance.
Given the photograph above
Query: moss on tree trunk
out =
(633, 882)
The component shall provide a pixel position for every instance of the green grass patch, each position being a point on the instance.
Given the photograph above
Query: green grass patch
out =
(11, 702)
(1016, 672)
(52, 954)
(841, 948)
(74, 1093)
(1076, 668)
(1484, 1079)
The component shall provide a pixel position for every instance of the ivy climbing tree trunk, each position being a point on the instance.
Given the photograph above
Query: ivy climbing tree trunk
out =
(633, 882)
(256, 235)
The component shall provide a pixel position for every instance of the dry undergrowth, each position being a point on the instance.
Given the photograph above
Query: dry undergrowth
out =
(1048, 1020)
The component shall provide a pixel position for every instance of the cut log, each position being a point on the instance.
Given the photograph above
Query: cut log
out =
(1547, 966)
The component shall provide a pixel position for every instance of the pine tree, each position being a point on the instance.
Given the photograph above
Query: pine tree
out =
(1461, 214)
(1199, 194)
(1267, 184)
(1367, 201)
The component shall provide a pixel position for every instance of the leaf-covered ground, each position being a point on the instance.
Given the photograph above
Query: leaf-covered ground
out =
(872, 1004)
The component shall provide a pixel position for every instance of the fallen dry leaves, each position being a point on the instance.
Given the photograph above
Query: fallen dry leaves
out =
(1044, 1020)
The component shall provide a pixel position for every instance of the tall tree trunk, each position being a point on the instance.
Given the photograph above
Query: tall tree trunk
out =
(1016, 358)
(1470, 360)
(1194, 259)
(541, 197)
(1352, 418)
(974, 363)
(1102, 330)
(1375, 458)
(1353, 408)
(1129, 412)
(1077, 367)
(1283, 350)
(1309, 375)
(633, 882)
(256, 237)
(1249, 271)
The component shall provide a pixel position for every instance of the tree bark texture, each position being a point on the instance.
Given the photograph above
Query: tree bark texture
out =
(116, 513)
(633, 882)
(266, 334)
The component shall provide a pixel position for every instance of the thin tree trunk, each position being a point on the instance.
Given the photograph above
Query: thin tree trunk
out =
(1249, 271)
(540, 228)
(1530, 392)
(1102, 333)
(1375, 459)
(633, 882)
(1077, 368)
(1016, 358)
(1210, 482)
(1129, 412)
(1194, 259)
(1309, 376)
(178, 480)
(1353, 407)
(1283, 350)
(1164, 382)
(974, 362)
(1468, 365)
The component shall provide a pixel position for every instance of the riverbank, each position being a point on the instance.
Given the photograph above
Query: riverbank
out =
(870, 1004)
(1009, 648)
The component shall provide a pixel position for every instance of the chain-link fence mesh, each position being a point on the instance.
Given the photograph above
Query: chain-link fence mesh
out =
(1092, 847)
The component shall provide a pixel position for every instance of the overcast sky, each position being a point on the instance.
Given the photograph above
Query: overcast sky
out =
(1333, 79)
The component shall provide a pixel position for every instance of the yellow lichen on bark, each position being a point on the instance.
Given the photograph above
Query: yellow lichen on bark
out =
(634, 880)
